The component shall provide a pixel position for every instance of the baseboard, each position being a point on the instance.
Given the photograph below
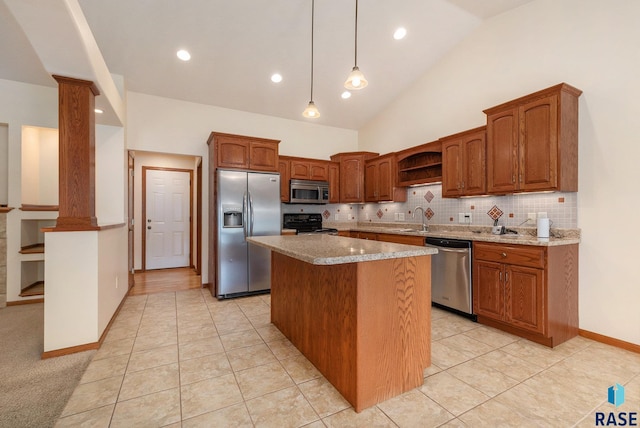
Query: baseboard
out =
(610, 341)
(70, 350)
(25, 302)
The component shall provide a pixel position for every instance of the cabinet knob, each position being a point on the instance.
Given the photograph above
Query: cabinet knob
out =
(504, 255)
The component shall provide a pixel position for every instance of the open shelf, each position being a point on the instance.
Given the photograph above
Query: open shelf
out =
(31, 235)
(32, 278)
(420, 165)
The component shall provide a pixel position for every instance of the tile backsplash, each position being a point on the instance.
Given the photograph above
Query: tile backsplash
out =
(511, 210)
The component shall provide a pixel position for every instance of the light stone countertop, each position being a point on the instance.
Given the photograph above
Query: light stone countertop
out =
(326, 249)
(525, 236)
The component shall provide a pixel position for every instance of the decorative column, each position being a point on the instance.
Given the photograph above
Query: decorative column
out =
(76, 102)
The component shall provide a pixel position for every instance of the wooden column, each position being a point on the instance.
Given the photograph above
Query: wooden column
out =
(76, 102)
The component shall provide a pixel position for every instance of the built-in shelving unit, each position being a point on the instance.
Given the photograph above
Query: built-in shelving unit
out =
(420, 165)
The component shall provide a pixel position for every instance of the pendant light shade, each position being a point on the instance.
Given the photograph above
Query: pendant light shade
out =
(311, 111)
(356, 79)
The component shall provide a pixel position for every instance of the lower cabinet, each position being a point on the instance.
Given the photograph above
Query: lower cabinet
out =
(529, 291)
(389, 237)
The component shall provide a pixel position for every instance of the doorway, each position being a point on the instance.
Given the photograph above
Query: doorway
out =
(167, 217)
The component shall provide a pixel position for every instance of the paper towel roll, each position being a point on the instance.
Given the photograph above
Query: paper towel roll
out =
(543, 228)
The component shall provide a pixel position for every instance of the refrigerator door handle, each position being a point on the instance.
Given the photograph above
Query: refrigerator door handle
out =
(250, 214)
(244, 214)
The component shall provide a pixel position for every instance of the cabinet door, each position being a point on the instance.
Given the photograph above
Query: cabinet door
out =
(263, 156)
(474, 170)
(300, 169)
(451, 169)
(371, 182)
(386, 179)
(232, 153)
(352, 179)
(502, 151)
(283, 169)
(319, 171)
(334, 182)
(538, 148)
(488, 289)
(524, 299)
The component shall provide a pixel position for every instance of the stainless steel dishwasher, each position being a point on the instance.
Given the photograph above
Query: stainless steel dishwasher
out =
(451, 275)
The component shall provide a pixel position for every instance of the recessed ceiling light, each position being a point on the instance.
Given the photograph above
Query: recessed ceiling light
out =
(184, 55)
(345, 95)
(99, 111)
(276, 78)
(400, 33)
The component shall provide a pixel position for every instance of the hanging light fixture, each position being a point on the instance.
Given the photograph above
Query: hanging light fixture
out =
(356, 79)
(311, 111)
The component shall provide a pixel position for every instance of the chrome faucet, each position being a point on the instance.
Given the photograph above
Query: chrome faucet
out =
(424, 226)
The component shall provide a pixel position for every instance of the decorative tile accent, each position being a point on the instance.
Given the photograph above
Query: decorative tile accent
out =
(429, 196)
(495, 213)
(326, 214)
(379, 213)
(429, 213)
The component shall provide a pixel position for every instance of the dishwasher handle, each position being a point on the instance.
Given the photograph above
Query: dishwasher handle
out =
(449, 250)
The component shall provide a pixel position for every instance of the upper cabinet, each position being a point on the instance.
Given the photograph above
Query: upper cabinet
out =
(420, 165)
(352, 175)
(334, 182)
(464, 164)
(242, 152)
(309, 169)
(380, 179)
(532, 142)
(285, 176)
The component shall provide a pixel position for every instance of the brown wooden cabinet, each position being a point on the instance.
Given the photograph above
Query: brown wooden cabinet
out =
(285, 175)
(334, 182)
(352, 175)
(463, 164)
(309, 169)
(389, 237)
(380, 179)
(242, 152)
(420, 165)
(532, 142)
(527, 290)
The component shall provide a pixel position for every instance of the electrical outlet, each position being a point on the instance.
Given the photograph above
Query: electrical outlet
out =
(542, 214)
(464, 218)
(531, 216)
(401, 216)
(366, 216)
(336, 217)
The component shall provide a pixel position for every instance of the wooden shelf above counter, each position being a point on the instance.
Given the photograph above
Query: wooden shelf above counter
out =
(420, 165)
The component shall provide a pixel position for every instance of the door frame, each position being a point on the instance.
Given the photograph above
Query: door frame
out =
(144, 211)
(131, 255)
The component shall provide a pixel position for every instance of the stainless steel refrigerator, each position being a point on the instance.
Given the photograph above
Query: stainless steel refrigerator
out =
(248, 204)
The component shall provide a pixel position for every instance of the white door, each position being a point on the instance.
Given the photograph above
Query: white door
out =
(167, 224)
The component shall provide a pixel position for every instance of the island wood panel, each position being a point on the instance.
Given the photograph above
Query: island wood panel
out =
(365, 326)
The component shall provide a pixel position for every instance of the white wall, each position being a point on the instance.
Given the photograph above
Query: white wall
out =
(589, 44)
(111, 175)
(164, 125)
(4, 164)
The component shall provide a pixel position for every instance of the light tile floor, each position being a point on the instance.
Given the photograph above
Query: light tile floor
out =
(185, 359)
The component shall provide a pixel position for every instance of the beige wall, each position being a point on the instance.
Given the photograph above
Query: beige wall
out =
(592, 45)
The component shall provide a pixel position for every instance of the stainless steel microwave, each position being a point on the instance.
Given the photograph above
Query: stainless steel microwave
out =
(308, 192)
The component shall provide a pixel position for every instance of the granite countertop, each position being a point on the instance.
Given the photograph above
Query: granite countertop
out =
(326, 249)
(525, 236)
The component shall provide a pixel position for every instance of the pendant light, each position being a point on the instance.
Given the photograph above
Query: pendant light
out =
(311, 111)
(356, 79)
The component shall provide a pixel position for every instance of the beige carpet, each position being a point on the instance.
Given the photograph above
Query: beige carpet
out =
(33, 392)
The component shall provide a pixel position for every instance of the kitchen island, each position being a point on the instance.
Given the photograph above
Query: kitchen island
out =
(359, 310)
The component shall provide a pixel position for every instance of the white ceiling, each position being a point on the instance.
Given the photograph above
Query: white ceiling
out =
(237, 44)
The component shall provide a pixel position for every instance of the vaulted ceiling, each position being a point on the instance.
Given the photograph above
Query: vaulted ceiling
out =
(237, 45)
